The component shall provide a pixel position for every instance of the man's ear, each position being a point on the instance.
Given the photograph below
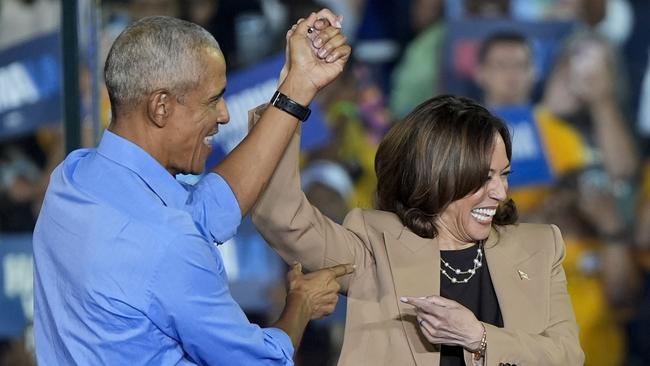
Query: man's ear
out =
(160, 106)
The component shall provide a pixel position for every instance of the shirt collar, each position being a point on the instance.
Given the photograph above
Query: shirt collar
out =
(134, 158)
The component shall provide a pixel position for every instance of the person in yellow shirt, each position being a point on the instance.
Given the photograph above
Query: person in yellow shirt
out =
(588, 154)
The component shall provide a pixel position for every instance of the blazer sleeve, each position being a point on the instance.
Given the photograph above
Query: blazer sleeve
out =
(300, 232)
(558, 344)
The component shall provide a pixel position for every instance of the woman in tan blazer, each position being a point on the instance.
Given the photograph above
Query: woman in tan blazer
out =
(443, 275)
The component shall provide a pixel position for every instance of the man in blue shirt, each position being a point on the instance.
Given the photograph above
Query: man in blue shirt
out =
(126, 265)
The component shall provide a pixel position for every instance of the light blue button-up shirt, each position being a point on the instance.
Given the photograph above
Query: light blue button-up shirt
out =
(127, 272)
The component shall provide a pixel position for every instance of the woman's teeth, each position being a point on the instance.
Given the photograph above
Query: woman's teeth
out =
(483, 214)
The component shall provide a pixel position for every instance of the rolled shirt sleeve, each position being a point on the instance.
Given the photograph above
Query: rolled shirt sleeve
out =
(214, 208)
(190, 302)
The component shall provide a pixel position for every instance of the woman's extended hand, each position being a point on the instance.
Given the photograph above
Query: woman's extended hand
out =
(444, 321)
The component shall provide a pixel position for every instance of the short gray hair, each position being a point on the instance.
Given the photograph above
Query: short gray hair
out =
(154, 53)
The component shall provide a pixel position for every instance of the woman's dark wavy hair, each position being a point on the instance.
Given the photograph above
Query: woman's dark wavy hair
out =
(439, 153)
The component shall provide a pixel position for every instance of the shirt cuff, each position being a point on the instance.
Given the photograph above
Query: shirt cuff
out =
(282, 339)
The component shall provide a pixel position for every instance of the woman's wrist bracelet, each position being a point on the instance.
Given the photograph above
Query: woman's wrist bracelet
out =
(480, 352)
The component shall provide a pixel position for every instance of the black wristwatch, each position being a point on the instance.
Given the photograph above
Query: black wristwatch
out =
(290, 106)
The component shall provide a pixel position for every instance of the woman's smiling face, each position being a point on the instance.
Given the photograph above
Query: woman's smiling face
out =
(468, 220)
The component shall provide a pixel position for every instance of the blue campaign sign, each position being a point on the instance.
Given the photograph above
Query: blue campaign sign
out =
(16, 284)
(246, 90)
(529, 163)
(30, 85)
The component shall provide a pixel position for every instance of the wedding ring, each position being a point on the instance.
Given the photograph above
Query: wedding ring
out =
(310, 30)
(421, 322)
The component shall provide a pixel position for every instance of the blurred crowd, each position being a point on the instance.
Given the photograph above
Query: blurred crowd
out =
(585, 95)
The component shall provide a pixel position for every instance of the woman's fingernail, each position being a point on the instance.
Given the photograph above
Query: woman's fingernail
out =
(403, 299)
(329, 58)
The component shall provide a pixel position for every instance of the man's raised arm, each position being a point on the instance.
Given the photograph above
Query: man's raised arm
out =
(317, 53)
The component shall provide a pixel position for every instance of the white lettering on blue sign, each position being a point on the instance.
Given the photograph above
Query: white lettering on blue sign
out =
(524, 145)
(238, 106)
(46, 71)
(18, 280)
(12, 120)
(16, 87)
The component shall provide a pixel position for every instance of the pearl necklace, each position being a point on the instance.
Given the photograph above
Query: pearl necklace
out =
(478, 262)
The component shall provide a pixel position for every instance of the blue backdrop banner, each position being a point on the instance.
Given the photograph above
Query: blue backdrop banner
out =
(16, 284)
(30, 85)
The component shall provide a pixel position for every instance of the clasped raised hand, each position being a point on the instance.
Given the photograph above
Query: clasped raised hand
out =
(315, 55)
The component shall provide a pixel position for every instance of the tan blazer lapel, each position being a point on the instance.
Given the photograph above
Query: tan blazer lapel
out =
(518, 279)
(415, 272)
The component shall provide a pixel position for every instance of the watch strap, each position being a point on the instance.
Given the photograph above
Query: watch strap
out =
(290, 106)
